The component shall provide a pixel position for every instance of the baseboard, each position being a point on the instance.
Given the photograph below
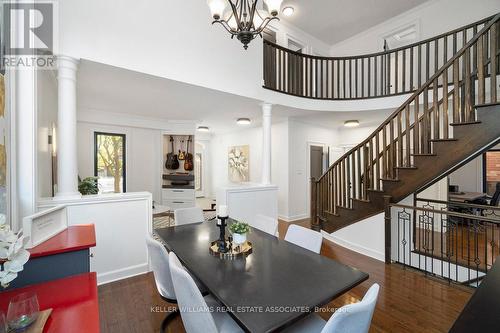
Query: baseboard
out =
(354, 247)
(293, 217)
(120, 274)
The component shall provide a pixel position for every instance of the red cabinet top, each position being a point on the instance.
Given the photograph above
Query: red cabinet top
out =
(75, 238)
(73, 300)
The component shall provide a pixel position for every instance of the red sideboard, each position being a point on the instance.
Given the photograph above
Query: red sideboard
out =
(73, 299)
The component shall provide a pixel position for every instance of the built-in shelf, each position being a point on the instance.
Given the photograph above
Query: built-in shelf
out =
(178, 177)
(187, 187)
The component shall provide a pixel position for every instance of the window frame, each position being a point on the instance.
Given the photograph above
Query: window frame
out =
(124, 156)
(485, 180)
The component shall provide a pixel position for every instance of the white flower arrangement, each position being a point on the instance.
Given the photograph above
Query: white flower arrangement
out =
(13, 255)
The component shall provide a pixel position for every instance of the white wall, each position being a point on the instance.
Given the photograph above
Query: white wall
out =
(220, 144)
(46, 117)
(433, 17)
(136, 35)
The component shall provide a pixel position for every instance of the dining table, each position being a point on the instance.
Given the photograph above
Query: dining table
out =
(276, 285)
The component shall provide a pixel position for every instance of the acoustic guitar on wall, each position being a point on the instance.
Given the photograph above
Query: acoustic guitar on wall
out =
(188, 161)
(182, 153)
(172, 162)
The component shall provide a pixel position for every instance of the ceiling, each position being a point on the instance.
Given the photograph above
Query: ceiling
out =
(107, 88)
(333, 21)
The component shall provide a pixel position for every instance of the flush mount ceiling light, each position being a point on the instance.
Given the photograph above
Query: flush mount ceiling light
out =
(243, 121)
(351, 123)
(203, 128)
(245, 19)
(288, 11)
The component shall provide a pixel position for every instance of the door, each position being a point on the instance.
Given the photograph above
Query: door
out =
(316, 162)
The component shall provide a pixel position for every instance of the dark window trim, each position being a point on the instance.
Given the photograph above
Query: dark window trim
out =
(123, 136)
(485, 184)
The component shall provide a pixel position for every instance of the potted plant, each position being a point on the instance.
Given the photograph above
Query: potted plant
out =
(88, 185)
(239, 231)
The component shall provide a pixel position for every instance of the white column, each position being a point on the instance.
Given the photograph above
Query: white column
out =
(266, 143)
(67, 168)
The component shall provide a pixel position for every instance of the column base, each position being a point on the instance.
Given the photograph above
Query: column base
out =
(68, 195)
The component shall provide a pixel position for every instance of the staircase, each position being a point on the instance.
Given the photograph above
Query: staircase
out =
(451, 118)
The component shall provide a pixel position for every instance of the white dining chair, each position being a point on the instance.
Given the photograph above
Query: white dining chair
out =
(188, 215)
(199, 314)
(303, 237)
(159, 259)
(352, 318)
(266, 224)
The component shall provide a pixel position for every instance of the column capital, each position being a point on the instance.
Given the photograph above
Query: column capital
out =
(266, 108)
(67, 67)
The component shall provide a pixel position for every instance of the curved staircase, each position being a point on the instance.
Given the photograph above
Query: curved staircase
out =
(451, 118)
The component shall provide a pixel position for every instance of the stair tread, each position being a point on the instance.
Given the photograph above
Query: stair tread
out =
(362, 200)
(443, 140)
(407, 167)
(423, 154)
(390, 179)
(373, 190)
(465, 123)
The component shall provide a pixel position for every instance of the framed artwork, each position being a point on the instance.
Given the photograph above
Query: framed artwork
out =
(239, 163)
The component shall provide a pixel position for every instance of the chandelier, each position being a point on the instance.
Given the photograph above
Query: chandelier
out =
(243, 18)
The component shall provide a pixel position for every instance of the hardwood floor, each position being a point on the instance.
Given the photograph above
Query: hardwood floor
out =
(408, 301)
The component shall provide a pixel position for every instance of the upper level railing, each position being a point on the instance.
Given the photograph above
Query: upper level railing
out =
(388, 73)
(448, 97)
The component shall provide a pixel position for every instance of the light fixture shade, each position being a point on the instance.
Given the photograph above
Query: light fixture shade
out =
(217, 8)
(288, 11)
(243, 121)
(351, 123)
(273, 6)
(203, 128)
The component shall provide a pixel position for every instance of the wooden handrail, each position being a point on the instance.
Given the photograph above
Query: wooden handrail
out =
(368, 55)
(419, 91)
(423, 118)
(380, 74)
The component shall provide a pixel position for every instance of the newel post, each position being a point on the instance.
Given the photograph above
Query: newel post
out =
(387, 227)
(314, 205)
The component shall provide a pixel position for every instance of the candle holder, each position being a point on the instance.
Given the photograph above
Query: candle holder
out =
(222, 236)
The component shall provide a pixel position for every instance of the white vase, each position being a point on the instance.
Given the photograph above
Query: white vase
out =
(239, 239)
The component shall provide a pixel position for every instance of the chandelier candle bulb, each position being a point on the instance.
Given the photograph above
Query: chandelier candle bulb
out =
(223, 211)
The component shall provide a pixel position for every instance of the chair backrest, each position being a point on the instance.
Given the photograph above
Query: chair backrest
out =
(266, 224)
(195, 313)
(158, 256)
(496, 196)
(306, 238)
(188, 215)
(354, 317)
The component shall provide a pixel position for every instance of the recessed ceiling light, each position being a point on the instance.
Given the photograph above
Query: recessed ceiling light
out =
(243, 121)
(351, 123)
(203, 128)
(288, 11)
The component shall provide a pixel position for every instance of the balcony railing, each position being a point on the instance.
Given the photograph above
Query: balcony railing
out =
(393, 72)
(455, 241)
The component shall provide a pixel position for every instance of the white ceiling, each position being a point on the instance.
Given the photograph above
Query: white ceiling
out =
(335, 20)
(111, 89)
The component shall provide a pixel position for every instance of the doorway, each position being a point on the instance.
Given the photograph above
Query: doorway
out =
(316, 161)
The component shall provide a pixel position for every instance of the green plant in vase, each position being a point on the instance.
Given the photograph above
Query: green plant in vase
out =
(239, 231)
(88, 185)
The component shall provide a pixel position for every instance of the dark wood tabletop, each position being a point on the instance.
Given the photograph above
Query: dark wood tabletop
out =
(481, 312)
(274, 286)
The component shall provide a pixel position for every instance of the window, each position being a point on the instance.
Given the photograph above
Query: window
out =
(109, 162)
(197, 172)
(491, 170)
